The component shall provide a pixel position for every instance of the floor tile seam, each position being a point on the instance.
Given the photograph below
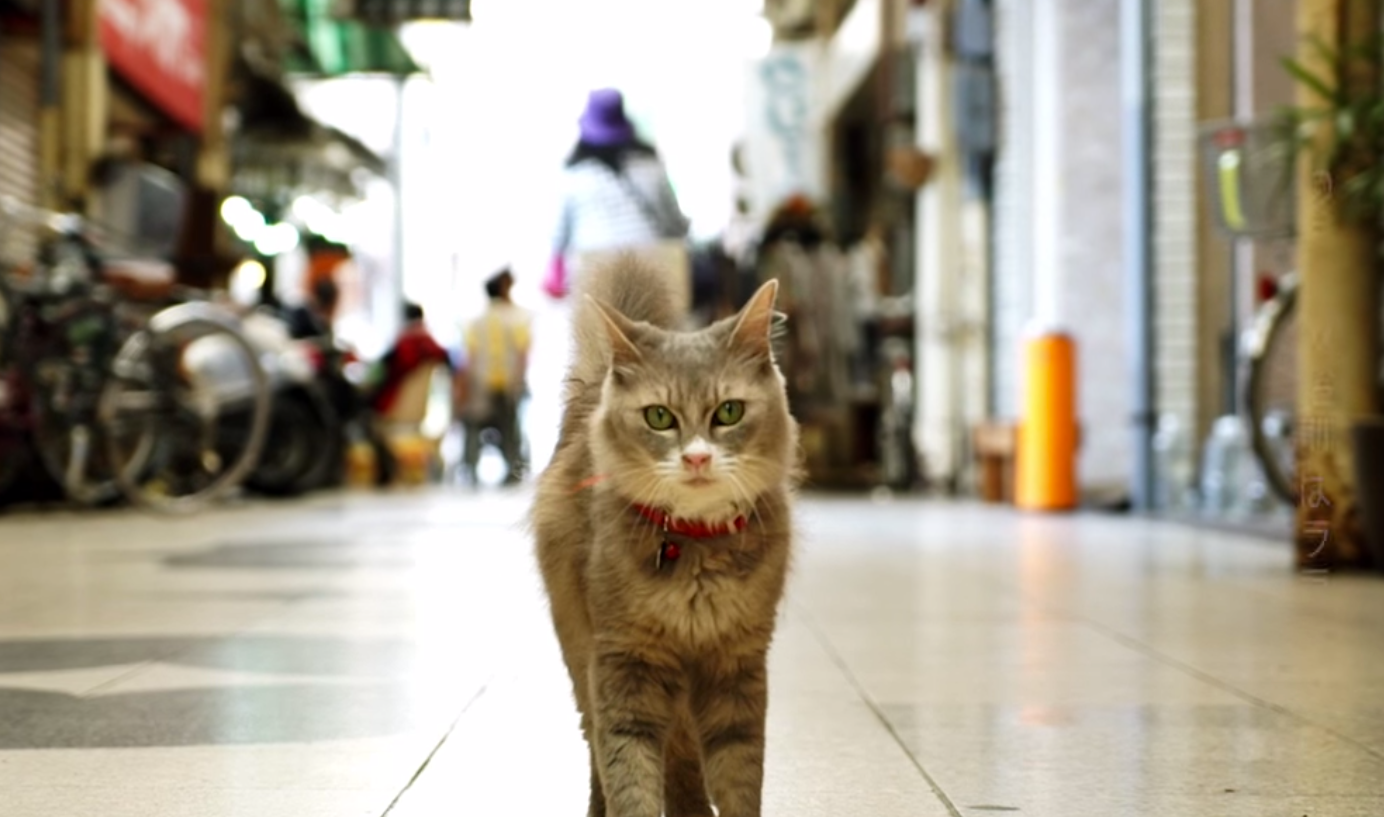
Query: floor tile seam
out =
(124, 676)
(437, 747)
(1154, 654)
(834, 655)
(171, 656)
(1205, 677)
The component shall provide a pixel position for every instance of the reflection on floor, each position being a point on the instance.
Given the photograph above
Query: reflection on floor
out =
(371, 655)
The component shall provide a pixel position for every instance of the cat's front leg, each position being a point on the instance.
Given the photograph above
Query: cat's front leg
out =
(597, 804)
(634, 709)
(683, 781)
(731, 715)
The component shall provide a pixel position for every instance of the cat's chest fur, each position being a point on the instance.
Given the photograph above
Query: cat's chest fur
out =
(716, 588)
(706, 593)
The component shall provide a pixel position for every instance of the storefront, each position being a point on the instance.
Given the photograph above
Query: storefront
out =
(309, 200)
(135, 83)
(294, 179)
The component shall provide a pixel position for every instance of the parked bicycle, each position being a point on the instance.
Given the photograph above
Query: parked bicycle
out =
(169, 410)
(1270, 390)
(1253, 199)
(54, 337)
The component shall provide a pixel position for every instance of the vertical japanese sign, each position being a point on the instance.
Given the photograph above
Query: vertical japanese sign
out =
(784, 137)
(1316, 433)
(160, 48)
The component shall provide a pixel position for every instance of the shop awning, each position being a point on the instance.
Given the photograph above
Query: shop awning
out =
(395, 12)
(279, 151)
(336, 47)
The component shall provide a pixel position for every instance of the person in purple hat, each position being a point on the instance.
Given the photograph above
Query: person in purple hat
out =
(615, 197)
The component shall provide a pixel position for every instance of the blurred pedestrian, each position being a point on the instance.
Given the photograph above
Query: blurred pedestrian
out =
(493, 384)
(312, 323)
(414, 348)
(313, 320)
(616, 197)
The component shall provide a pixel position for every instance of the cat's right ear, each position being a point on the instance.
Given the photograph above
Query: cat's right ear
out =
(619, 330)
(754, 327)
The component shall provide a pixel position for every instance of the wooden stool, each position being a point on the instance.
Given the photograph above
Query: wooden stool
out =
(995, 444)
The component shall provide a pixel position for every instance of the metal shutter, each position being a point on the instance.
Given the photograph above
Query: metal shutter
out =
(19, 115)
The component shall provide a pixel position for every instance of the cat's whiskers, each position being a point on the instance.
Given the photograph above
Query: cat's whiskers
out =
(644, 496)
(730, 474)
(754, 463)
(743, 495)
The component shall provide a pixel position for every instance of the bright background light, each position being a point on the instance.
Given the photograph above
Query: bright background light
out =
(499, 117)
(276, 240)
(488, 130)
(321, 219)
(247, 222)
(246, 280)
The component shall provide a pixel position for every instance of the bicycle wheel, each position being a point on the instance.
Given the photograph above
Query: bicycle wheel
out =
(1271, 391)
(300, 448)
(74, 457)
(185, 410)
(66, 432)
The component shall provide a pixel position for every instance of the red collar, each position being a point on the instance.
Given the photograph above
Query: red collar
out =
(689, 527)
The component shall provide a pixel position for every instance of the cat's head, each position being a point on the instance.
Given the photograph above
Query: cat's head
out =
(695, 423)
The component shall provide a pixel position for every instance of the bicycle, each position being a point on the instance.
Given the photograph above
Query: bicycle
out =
(1252, 194)
(1270, 390)
(170, 411)
(185, 409)
(53, 341)
(1253, 198)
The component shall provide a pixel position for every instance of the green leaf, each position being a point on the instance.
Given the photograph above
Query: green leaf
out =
(1309, 79)
(1334, 59)
(1324, 49)
(1343, 129)
(1345, 125)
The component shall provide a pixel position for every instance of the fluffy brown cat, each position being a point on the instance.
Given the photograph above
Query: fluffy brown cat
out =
(663, 536)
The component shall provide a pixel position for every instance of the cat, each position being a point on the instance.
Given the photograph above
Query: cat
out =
(663, 536)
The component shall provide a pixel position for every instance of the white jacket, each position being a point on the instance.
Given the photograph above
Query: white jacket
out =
(601, 211)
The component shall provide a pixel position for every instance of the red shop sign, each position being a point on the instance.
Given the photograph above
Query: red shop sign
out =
(160, 47)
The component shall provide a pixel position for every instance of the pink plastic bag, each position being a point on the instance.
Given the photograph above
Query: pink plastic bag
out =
(555, 284)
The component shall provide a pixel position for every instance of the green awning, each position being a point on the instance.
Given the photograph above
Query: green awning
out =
(336, 47)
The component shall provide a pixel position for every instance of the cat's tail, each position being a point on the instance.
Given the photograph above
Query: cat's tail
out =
(629, 285)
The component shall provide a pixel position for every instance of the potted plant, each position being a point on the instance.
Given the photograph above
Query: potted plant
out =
(1342, 130)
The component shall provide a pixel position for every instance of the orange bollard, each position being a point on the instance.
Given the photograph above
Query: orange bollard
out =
(1045, 462)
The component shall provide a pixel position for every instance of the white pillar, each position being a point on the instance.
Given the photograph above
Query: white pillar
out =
(1048, 197)
(394, 319)
(936, 424)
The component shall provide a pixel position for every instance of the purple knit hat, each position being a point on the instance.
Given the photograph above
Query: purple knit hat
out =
(604, 123)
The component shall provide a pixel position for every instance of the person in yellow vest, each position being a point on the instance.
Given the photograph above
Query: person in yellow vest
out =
(491, 385)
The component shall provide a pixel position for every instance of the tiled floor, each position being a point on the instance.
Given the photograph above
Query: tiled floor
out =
(371, 655)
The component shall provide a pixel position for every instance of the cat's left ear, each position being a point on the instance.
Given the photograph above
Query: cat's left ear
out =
(619, 330)
(754, 327)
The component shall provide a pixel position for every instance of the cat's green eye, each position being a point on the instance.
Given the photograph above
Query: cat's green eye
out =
(730, 412)
(659, 418)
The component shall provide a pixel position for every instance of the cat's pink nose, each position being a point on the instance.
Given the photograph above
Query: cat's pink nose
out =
(696, 462)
